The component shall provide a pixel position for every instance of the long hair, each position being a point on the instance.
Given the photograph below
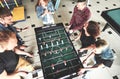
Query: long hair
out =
(39, 4)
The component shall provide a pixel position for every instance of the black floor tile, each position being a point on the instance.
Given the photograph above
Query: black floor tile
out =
(33, 25)
(109, 32)
(98, 2)
(70, 12)
(114, 4)
(73, 2)
(59, 16)
(66, 24)
(63, 5)
(28, 17)
(89, 5)
(98, 11)
(115, 77)
(106, 8)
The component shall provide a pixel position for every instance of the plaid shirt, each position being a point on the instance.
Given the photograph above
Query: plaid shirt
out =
(79, 17)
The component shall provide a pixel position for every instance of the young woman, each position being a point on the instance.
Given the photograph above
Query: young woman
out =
(45, 11)
(102, 54)
(88, 35)
(11, 65)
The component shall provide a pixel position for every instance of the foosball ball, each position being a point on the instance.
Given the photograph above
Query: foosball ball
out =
(57, 53)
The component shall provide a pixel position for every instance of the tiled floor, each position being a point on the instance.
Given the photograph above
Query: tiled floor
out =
(63, 14)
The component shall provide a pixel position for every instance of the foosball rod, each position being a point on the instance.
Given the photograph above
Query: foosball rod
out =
(1, 4)
(6, 4)
(16, 3)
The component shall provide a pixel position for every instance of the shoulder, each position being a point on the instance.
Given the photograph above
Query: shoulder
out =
(87, 10)
(1, 66)
(1, 25)
(50, 4)
(39, 7)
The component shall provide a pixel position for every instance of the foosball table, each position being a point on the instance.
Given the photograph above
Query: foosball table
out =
(58, 56)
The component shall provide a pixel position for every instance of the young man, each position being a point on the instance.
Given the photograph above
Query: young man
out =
(80, 16)
(11, 65)
(6, 23)
(102, 54)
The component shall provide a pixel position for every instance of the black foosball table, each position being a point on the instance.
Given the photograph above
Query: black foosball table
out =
(58, 56)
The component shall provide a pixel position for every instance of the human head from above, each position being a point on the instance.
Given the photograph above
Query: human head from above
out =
(8, 40)
(5, 16)
(100, 45)
(93, 29)
(81, 4)
(42, 2)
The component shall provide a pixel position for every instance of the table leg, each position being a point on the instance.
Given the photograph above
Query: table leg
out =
(106, 26)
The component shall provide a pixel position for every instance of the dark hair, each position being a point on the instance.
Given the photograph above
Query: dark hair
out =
(100, 43)
(93, 28)
(6, 35)
(4, 12)
(81, 0)
(38, 1)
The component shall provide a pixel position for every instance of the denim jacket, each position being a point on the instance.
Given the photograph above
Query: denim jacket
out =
(40, 11)
(107, 54)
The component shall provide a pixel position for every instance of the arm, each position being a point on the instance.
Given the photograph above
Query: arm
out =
(40, 11)
(51, 7)
(4, 75)
(20, 52)
(72, 19)
(20, 29)
(92, 46)
(82, 70)
(88, 57)
(77, 38)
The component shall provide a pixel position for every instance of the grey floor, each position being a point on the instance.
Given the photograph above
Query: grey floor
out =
(63, 14)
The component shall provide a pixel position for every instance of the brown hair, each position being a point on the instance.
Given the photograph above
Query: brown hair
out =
(93, 28)
(38, 3)
(5, 36)
(4, 12)
(81, 0)
(100, 43)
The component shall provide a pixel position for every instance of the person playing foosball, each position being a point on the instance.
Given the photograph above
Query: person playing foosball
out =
(11, 65)
(102, 54)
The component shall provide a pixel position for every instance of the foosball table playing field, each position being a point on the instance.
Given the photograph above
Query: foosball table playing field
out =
(58, 56)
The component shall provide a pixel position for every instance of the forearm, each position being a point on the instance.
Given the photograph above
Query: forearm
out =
(94, 67)
(4, 75)
(18, 51)
(13, 76)
(43, 14)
